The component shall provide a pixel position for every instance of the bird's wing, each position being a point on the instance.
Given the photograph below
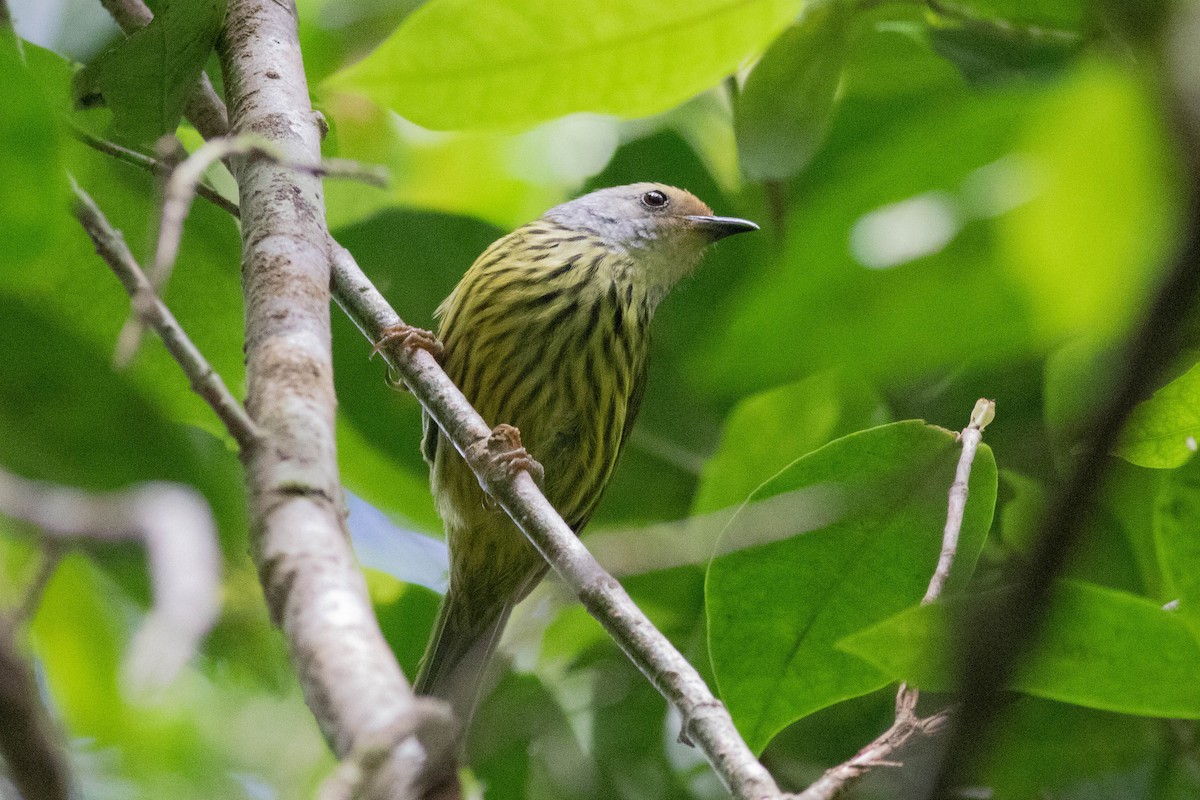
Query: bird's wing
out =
(429, 438)
(635, 399)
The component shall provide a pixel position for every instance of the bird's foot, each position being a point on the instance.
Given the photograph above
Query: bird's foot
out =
(410, 338)
(504, 456)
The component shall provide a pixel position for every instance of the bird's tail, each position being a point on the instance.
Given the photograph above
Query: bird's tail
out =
(457, 656)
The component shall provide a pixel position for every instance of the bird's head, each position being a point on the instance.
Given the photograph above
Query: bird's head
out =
(665, 229)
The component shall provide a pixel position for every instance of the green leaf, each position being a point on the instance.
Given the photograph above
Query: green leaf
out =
(1162, 431)
(766, 432)
(782, 113)
(821, 306)
(29, 158)
(493, 63)
(1177, 534)
(517, 722)
(1021, 515)
(863, 520)
(1101, 648)
(1063, 16)
(988, 54)
(1077, 376)
(1050, 749)
(149, 77)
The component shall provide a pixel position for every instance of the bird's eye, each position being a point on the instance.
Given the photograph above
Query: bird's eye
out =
(655, 199)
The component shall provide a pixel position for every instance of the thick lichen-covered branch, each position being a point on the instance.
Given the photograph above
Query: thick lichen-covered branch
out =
(313, 586)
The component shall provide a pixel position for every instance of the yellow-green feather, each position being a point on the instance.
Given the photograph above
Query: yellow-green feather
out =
(547, 331)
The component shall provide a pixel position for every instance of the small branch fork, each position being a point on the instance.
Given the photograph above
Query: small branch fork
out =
(151, 310)
(185, 181)
(907, 723)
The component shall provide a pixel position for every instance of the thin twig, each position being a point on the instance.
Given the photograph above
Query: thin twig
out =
(706, 721)
(907, 724)
(151, 165)
(1006, 630)
(970, 437)
(181, 188)
(175, 526)
(30, 743)
(203, 379)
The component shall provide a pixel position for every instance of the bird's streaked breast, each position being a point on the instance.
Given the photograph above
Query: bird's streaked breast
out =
(548, 331)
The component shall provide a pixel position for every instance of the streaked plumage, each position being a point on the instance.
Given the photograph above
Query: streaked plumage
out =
(549, 331)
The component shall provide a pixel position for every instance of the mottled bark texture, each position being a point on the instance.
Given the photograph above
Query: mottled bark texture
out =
(313, 586)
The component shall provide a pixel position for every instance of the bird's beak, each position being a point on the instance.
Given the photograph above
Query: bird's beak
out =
(720, 227)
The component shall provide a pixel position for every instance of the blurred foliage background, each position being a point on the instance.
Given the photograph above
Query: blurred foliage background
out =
(958, 199)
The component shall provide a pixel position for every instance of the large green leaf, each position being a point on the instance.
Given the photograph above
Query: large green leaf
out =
(149, 77)
(766, 432)
(1162, 432)
(491, 63)
(1177, 535)
(29, 158)
(1101, 648)
(1047, 749)
(909, 311)
(782, 113)
(858, 528)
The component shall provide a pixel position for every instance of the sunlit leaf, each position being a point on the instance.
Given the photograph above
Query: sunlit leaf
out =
(859, 532)
(1162, 432)
(476, 63)
(1101, 648)
(1102, 204)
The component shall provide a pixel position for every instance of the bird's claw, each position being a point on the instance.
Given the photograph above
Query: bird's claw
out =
(410, 338)
(504, 445)
(506, 456)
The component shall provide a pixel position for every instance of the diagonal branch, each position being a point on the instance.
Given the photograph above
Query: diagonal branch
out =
(705, 720)
(154, 313)
(30, 743)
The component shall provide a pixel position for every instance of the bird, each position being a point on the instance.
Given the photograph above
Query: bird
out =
(548, 331)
